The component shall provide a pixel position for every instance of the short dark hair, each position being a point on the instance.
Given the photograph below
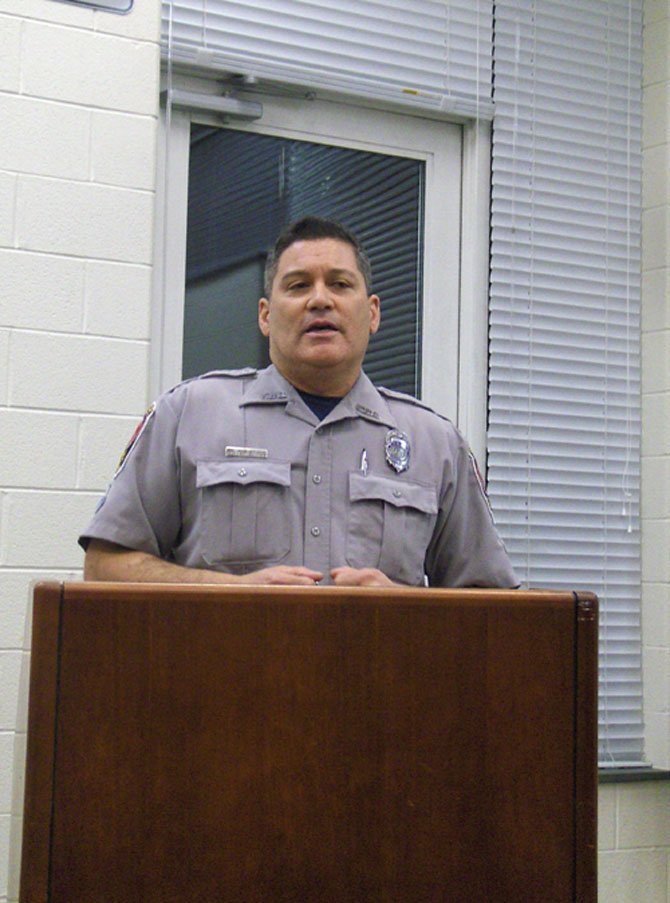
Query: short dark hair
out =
(313, 228)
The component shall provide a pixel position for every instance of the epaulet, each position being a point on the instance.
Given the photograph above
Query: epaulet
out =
(409, 399)
(213, 374)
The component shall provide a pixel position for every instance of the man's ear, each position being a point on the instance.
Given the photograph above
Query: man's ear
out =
(375, 313)
(263, 316)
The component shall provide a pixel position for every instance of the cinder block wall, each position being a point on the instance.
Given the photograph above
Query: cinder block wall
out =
(634, 842)
(78, 107)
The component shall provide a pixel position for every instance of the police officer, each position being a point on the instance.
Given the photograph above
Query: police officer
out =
(304, 472)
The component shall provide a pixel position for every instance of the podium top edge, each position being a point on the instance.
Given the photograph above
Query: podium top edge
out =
(79, 590)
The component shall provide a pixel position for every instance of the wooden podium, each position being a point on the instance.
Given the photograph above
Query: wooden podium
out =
(218, 745)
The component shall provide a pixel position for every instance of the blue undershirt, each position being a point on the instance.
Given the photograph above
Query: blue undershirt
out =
(321, 405)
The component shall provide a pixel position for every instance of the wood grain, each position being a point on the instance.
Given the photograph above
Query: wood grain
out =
(326, 745)
(41, 746)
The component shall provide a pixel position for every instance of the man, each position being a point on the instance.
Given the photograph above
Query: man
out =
(302, 473)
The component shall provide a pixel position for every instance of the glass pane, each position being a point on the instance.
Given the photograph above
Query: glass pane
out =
(243, 189)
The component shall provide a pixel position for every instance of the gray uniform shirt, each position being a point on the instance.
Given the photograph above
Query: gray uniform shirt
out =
(232, 471)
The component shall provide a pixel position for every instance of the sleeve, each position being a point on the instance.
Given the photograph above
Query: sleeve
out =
(466, 549)
(141, 509)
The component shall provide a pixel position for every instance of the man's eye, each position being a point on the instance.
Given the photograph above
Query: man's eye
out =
(341, 283)
(296, 286)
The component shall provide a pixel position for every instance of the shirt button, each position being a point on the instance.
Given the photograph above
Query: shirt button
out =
(397, 494)
(315, 531)
(242, 472)
(316, 478)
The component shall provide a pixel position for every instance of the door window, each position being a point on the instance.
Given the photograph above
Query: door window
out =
(243, 189)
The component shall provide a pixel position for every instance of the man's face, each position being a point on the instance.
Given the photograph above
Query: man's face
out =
(319, 317)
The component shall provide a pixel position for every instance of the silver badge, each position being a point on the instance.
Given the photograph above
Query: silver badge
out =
(397, 450)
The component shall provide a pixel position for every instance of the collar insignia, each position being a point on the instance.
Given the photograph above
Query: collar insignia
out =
(367, 412)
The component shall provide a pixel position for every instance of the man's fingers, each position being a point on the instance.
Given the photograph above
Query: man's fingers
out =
(284, 575)
(346, 576)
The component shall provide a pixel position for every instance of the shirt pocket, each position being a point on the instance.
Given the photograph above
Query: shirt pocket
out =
(391, 522)
(245, 510)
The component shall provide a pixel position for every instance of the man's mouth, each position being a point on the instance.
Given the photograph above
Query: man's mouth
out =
(321, 326)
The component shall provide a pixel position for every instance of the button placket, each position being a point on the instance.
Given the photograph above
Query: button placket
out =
(317, 502)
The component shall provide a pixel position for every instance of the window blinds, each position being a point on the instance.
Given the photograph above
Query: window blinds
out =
(564, 321)
(429, 53)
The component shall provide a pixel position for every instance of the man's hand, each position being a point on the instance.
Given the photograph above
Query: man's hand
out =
(346, 576)
(108, 561)
(282, 575)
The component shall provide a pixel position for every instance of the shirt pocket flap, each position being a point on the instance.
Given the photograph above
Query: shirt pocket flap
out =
(400, 493)
(243, 472)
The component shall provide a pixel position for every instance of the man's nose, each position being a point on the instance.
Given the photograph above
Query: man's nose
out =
(319, 297)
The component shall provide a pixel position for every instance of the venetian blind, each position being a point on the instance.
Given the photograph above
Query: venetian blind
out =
(432, 54)
(564, 417)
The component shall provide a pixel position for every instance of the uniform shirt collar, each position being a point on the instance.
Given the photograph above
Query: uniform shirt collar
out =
(269, 387)
(363, 400)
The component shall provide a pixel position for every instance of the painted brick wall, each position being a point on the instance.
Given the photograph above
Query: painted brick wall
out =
(634, 843)
(78, 106)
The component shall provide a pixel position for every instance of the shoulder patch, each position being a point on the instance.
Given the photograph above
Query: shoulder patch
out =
(409, 399)
(139, 429)
(213, 374)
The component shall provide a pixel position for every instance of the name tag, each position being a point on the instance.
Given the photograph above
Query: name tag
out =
(237, 451)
